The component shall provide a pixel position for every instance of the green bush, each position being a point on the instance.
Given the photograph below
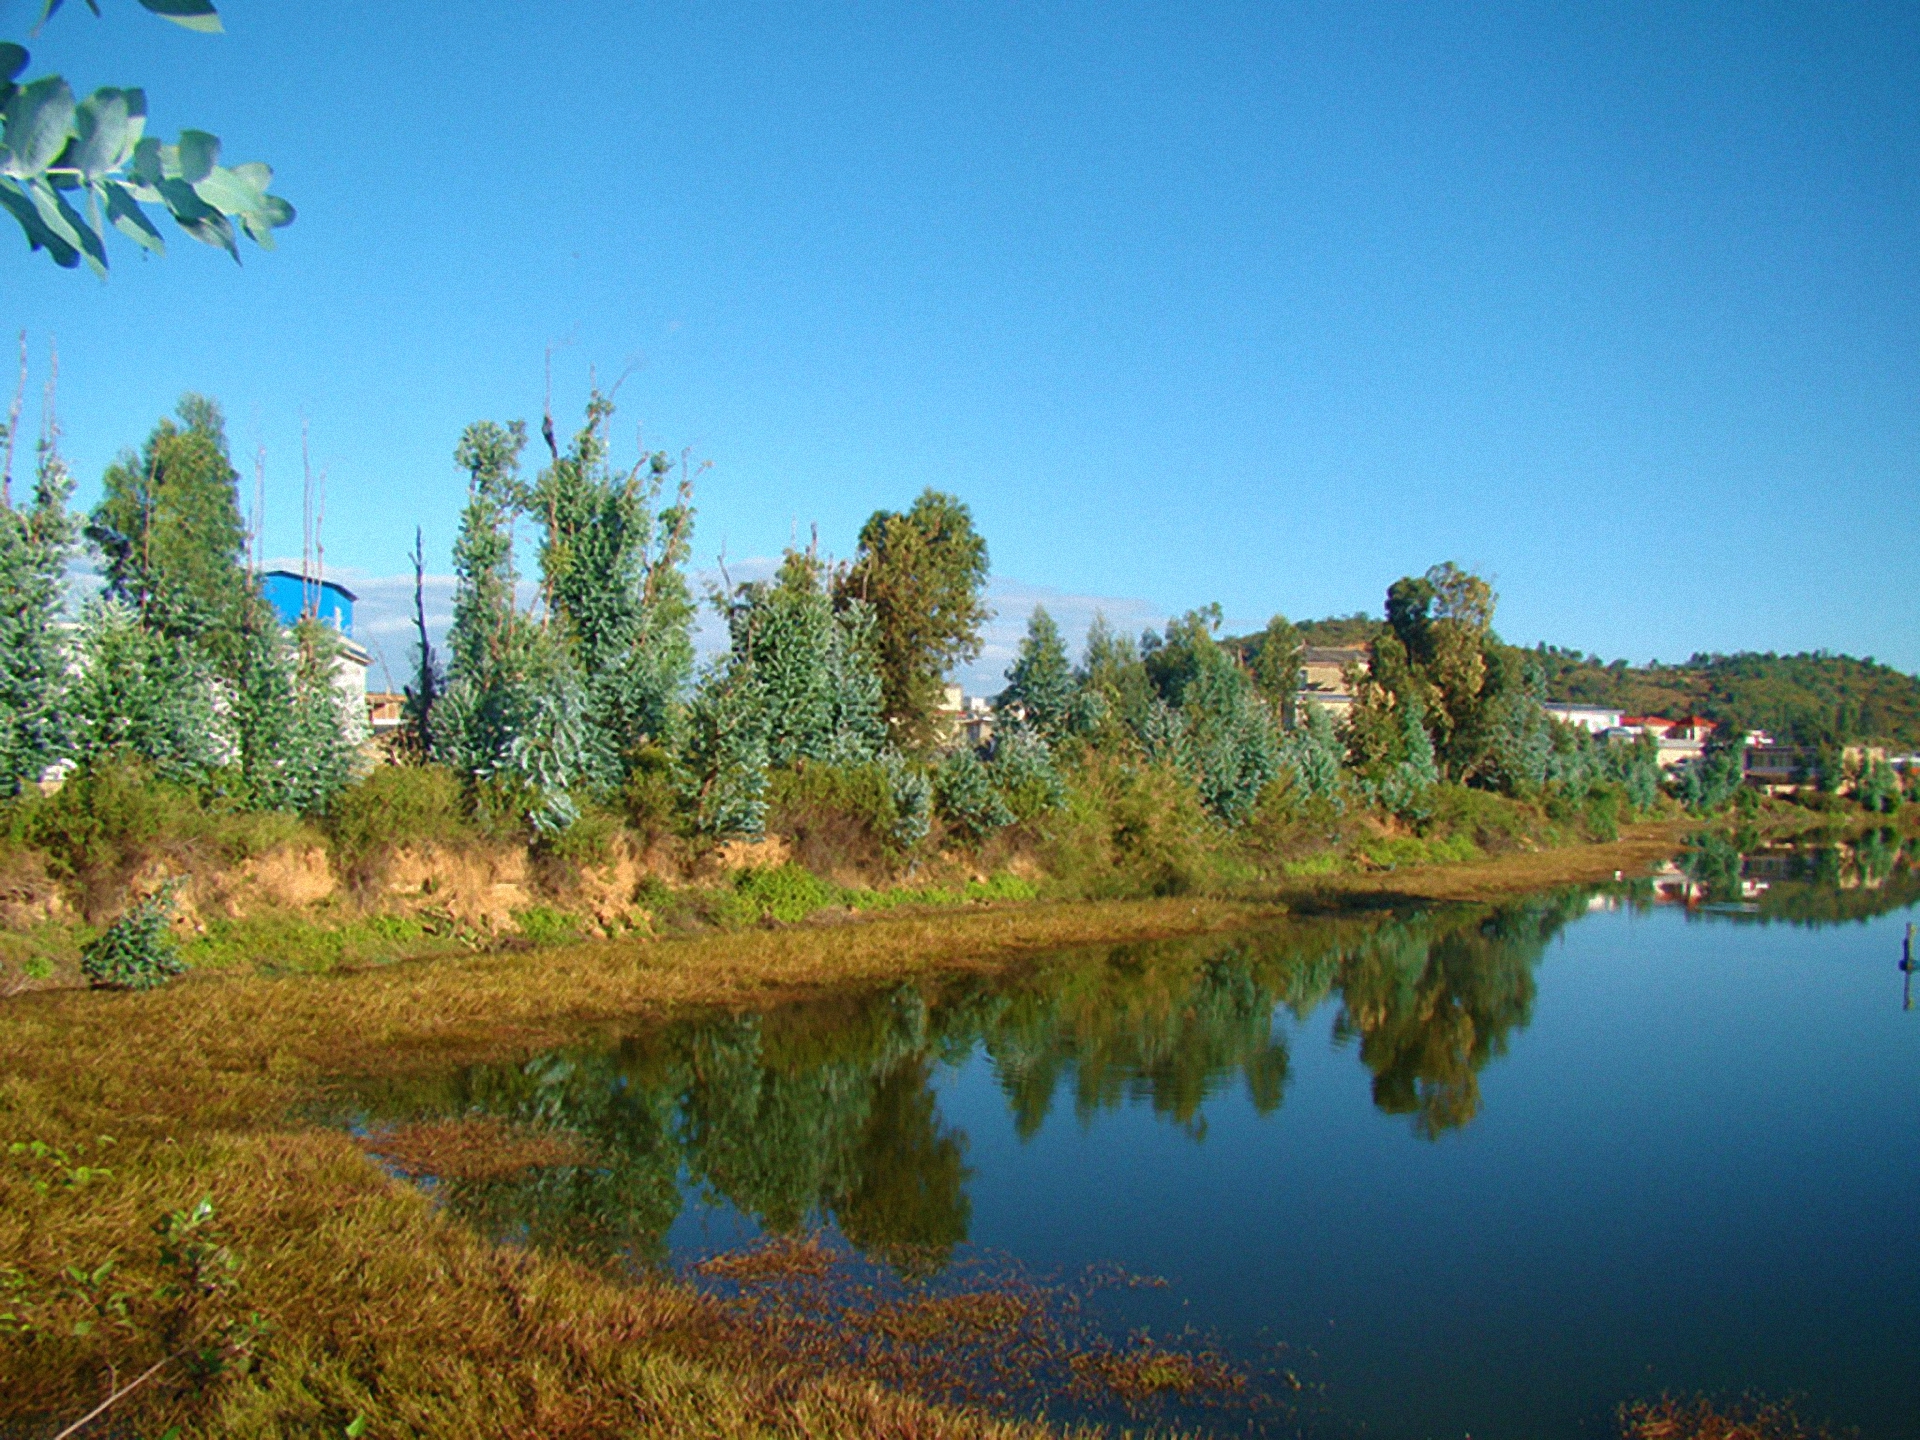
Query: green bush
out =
(834, 815)
(787, 893)
(544, 925)
(136, 952)
(1492, 822)
(396, 805)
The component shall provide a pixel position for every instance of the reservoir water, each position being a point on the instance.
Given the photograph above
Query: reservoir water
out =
(1482, 1172)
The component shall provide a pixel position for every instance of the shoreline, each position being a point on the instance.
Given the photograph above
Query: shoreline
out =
(372, 1291)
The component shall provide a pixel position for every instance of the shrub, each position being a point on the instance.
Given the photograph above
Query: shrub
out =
(136, 952)
(396, 805)
(968, 802)
(108, 820)
(787, 893)
(834, 815)
(544, 925)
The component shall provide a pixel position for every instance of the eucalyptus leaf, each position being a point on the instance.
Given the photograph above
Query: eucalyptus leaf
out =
(16, 203)
(193, 14)
(66, 222)
(129, 219)
(198, 218)
(228, 193)
(199, 152)
(106, 127)
(39, 119)
(147, 168)
(13, 60)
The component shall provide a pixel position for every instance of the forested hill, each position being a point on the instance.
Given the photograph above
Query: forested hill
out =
(1814, 699)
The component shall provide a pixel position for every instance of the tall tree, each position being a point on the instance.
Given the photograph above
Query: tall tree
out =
(168, 527)
(1040, 682)
(611, 563)
(34, 545)
(1276, 665)
(58, 150)
(817, 670)
(924, 572)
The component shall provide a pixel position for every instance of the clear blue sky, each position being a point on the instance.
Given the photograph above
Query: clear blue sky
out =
(1265, 305)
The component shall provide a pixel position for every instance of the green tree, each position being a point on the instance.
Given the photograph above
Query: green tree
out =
(1113, 682)
(817, 670)
(1214, 723)
(58, 151)
(1040, 683)
(34, 545)
(514, 720)
(168, 527)
(1276, 665)
(924, 572)
(611, 561)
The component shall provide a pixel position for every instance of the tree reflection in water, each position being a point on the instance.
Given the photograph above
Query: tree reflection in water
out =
(829, 1110)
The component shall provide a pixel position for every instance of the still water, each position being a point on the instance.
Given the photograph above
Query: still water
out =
(1475, 1172)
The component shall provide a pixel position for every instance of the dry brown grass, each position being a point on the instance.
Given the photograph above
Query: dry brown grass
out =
(1669, 1418)
(474, 1147)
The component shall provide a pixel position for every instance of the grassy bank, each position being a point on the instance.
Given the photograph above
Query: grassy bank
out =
(353, 1302)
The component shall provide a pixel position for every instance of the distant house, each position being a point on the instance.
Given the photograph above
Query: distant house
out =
(1592, 718)
(293, 595)
(1323, 677)
(1324, 667)
(964, 717)
(1773, 767)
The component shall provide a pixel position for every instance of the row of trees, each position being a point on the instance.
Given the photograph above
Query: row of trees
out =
(178, 661)
(575, 690)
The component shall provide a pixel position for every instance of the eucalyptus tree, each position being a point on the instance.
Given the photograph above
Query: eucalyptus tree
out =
(612, 578)
(817, 668)
(35, 542)
(1210, 719)
(1041, 686)
(70, 168)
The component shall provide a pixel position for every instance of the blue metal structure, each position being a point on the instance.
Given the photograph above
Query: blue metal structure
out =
(290, 594)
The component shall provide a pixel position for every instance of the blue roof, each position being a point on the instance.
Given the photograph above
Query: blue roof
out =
(289, 593)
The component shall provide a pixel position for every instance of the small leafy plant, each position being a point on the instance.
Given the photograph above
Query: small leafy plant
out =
(136, 952)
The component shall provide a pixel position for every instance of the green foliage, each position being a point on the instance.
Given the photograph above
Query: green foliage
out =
(545, 925)
(924, 572)
(96, 151)
(1114, 687)
(786, 893)
(396, 806)
(1025, 775)
(1806, 699)
(816, 670)
(611, 561)
(1878, 789)
(1708, 785)
(1312, 754)
(968, 803)
(1210, 719)
(168, 527)
(141, 693)
(724, 755)
(137, 951)
(543, 716)
(1041, 687)
(1274, 657)
(34, 546)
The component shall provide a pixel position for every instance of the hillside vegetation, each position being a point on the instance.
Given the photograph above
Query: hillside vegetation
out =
(1816, 699)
